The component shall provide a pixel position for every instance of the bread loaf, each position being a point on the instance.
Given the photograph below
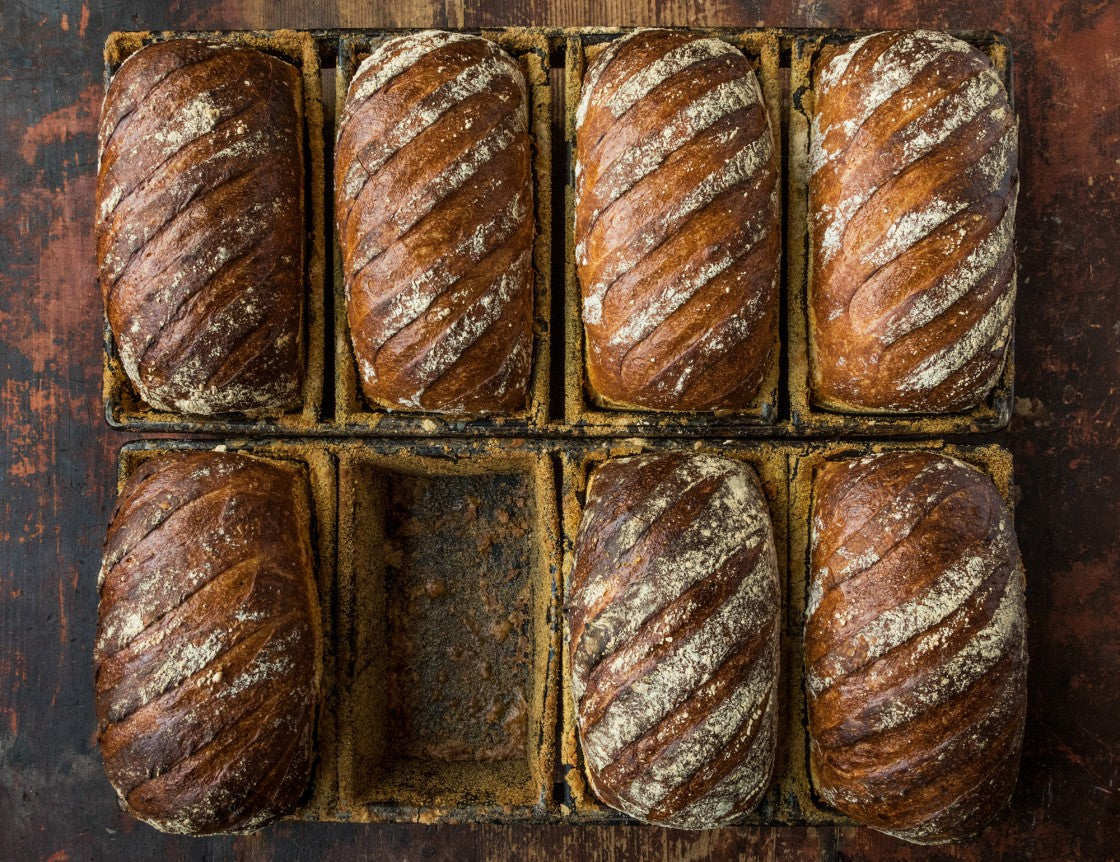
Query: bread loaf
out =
(434, 202)
(208, 647)
(912, 214)
(674, 621)
(676, 224)
(200, 227)
(915, 645)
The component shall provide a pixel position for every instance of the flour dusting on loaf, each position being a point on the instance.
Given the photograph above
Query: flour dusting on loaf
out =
(677, 236)
(434, 204)
(200, 227)
(674, 623)
(915, 645)
(912, 190)
(209, 644)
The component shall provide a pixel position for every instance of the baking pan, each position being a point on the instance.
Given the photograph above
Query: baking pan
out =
(483, 728)
(806, 418)
(123, 407)
(784, 407)
(581, 414)
(399, 513)
(319, 466)
(353, 415)
(449, 566)
(804, 460)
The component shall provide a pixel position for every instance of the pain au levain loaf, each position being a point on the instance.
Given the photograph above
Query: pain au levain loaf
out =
(209, 643)
(915, 645)
(912, 190)
(676, 224)
(200, 227)
(674, 618)
(434, 204)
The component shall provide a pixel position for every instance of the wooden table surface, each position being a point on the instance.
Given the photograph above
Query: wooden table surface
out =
(58, 456)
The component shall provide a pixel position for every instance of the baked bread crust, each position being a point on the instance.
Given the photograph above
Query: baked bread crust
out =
(677, 229)
(200, 227)
(674, 617)
(915, 645)
(912, 191)
(434, 204)
(209, 642)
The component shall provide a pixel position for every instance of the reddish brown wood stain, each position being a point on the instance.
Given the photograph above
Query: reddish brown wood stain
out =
(58, 455)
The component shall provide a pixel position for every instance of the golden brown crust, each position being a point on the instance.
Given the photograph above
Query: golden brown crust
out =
(915, 645)
(677, 232)
(200, 227)
(208, 646)
(434, 203)
(912, 189)
(673, 620)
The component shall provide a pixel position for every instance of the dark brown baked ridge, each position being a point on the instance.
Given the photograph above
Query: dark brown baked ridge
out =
(674, 621)
(200, 227)
(676, 223)
(915, 645)
(434, 203)
(912, 190)
(208, 648)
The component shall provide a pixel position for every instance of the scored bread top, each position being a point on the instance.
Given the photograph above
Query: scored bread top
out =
(200, 227)
(912, 191)
(208, 646)
(915, 645)
(676, 224)
(673, 638)
(434, 203)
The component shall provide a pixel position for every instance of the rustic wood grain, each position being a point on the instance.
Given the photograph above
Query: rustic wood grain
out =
(58, 456)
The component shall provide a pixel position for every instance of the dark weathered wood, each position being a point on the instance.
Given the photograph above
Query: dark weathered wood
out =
(58, 455)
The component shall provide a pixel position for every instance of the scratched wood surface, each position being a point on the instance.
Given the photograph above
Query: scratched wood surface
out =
(58, 456)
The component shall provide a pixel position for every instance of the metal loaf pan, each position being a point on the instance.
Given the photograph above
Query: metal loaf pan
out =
(399, 528)
(448, 631)
(319, 465)
(770, 463)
